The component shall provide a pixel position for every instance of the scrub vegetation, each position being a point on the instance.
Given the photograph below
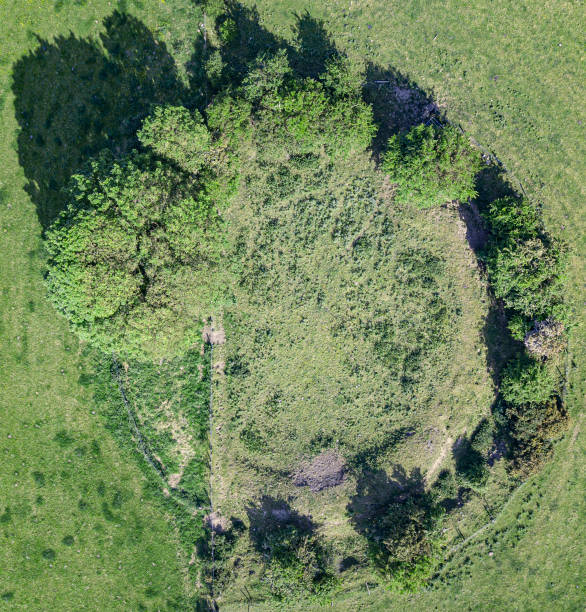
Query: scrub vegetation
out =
(322, 333)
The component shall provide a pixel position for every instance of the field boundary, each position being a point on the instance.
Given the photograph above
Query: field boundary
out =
(178, 495)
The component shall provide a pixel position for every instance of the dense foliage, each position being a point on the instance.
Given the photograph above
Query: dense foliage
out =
(525, 264)
(525, 381)
(431, 166)
(133, 260)
(305, 115)
(532, 428)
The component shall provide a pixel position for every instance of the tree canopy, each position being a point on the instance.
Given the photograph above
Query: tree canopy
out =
(431, 165)
(133, 260)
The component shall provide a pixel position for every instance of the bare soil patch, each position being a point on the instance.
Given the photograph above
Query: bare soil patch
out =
(217, 523)
(326, 470)
(213, 335)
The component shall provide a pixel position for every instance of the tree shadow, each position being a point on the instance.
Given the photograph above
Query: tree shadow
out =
(74, 97)
(312, 46)
(272, 522)
(243, 39)
(377, 493)
(398, 103)
(470, 462)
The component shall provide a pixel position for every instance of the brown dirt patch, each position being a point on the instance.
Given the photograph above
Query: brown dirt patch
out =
(326, 470)
(217, 523)
(213, 335)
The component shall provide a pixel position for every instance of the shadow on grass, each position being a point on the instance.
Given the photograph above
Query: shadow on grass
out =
(73, 99)
(394, 514)
(376, 494)
(274, 524)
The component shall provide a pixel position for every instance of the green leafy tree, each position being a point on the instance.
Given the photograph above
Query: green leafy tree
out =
(513, 219)
(133, 260)
(178, 135)
(529, 276)
(308, 115)
(532, 428)
(525, 264)
(431, 166)
(525, 381)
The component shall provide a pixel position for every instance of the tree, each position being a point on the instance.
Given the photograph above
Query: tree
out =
(178, 135)
(525, 264)
(431, 166)
(307, 114)
(529, 276)
(134, 259)
(525, 381)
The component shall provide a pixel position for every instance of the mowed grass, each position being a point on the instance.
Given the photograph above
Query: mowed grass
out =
(80, 527)
(511, 75)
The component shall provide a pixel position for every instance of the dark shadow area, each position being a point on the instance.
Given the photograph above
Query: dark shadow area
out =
(72, 100)
(274, 524)
(394, 514)
(446, 492)
(377, 493)
(75, 97)
(369, 456)
(313, 46)
(397, 103)
(470, 463)
(242, 40)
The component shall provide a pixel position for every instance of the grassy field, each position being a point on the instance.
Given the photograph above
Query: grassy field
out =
(82, 527)
(83, 521)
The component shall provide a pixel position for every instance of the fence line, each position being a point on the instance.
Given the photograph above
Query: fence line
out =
(180, 496)
(211, 421)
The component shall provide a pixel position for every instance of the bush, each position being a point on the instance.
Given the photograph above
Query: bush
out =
(519, 325)
(529, 277)
(133, 259)
(513, 219)
(308, 114)
(431, 166)
(525, 381)
(471, 466)
(444, 487)
(532, 428)
(526, 265)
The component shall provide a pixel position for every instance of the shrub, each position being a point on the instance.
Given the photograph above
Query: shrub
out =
(526, 265)
(444, 487)
(308, 114)
(532, 427)
(133, 259)
(297, 566)
(519, 325)
(431, 166)
(525, 381)
(482, 438)
(528, 276)
(513, 219)
(471, 466)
